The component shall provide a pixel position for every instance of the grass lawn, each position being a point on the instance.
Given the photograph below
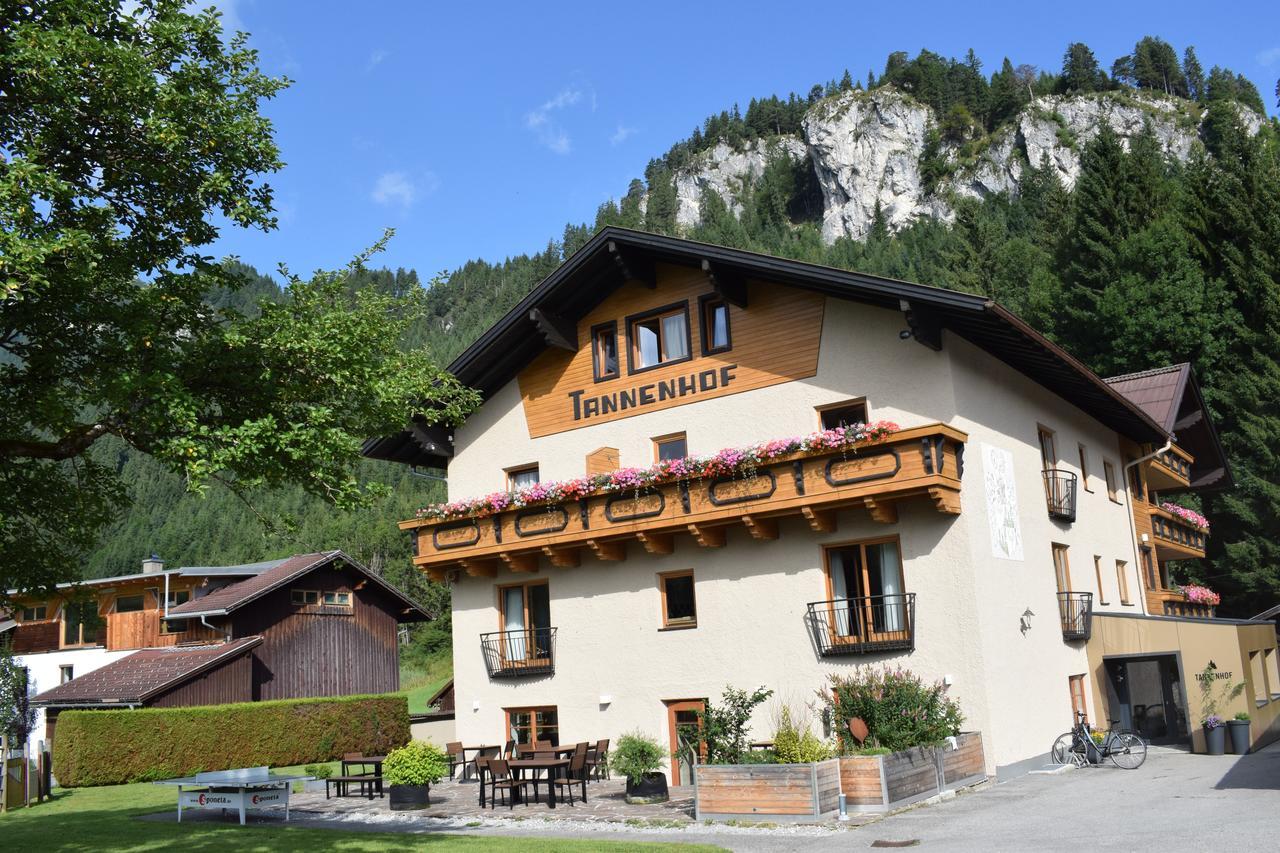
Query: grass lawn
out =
(94, 819)
(421, 683)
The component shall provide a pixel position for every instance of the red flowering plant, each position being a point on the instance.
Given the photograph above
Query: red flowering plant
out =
(1190, 516)
(730, 462)
(1197, 594)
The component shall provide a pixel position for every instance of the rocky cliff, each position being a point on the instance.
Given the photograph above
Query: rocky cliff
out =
(866, 150)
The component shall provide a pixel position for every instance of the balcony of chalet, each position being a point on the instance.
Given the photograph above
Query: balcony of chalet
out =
(865, 625)
(1060, 494)
(1168, 470)
(512, 654)
(921, 464)
(1175, 538)
(1075, 611)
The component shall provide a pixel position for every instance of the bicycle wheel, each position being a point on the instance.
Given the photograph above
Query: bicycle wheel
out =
(1065, 750)
(1128, 750)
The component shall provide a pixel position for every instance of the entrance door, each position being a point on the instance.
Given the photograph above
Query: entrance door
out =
(1146, 695)
(686, 736)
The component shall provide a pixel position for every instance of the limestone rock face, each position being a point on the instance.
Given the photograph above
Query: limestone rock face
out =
(727, 173)
(865, 149)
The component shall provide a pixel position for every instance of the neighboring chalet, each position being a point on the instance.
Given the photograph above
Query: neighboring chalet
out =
(308, 625)
(1012, 486)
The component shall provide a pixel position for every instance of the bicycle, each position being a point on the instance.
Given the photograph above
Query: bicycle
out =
(1126, 749)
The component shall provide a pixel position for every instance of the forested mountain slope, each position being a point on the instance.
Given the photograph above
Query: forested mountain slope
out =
(1133, 216)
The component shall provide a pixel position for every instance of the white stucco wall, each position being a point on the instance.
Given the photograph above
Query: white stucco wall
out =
(751, 595)
(45, 672)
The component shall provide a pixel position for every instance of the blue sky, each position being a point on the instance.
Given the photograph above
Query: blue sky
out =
(479, 130)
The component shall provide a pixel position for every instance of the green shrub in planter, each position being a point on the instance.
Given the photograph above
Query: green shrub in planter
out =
(416, 763)
(636, 755)
(320, 771)
(795, 743)
(899, 708)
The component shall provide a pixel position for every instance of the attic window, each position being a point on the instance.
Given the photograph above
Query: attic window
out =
(304, 596)
(338, 599)
(604, 351)
(659, 337)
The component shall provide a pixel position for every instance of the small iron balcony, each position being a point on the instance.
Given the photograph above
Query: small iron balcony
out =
(866, 625)
(1076, 612)
(511, 654)
(1060, 493)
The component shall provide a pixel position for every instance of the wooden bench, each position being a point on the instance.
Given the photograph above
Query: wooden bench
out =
(368, 784)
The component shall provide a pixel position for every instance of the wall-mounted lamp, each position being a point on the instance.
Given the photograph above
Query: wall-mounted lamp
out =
(1146, 538)
(475, 704)
(606, 699)
(1024, 621)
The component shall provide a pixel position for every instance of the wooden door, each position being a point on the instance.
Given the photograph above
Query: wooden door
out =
(685, 726)
(865, 583)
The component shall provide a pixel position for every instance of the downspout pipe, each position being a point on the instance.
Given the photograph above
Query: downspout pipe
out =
(1133, 531)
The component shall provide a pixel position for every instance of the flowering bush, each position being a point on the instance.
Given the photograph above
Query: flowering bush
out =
(728, 462)
(900, 710)
(1190, 516)
(1201, 595)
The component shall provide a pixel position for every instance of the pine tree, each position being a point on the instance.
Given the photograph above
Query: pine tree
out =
(1080, 71)
(1156, 67)
(846, 82)
(1194, 72)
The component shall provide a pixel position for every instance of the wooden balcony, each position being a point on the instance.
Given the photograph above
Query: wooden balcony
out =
(921, 464)
(1175, 539)
(867, 625)
(1171, 602)
(1170, 470)
(1075, 610)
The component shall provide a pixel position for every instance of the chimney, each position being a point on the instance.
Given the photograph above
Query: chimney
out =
(152, 565)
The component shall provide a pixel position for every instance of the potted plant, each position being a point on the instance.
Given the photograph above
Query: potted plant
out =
(1215, 692)
(410, 771)
(1093, 751)
(1215, 735)
(1239, 729)
(638, 757)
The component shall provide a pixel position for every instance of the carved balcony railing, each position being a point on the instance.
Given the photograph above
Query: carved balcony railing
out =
(1060, 494)
(1175, 539)
(1173, 602)
(922, 463)
(865, 625)
(1075, 609)
(1170, 469)
(511, 654)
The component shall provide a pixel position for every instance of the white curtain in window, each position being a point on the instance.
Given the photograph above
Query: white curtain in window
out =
(891, 583)
(513, 605)
(674, 338)
(840, 590)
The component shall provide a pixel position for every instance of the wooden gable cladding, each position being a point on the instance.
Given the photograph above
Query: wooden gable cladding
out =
(924, 463)
(774, 340)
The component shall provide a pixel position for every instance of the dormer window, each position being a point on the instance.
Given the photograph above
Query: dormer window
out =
(659, 337)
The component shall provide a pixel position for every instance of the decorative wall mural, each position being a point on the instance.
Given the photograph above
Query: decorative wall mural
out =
(1002, 503)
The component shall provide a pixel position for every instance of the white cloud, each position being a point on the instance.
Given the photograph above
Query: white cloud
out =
(375, 59)
(395, 187)
(621, 135)
(1269, 57)
(550, 133)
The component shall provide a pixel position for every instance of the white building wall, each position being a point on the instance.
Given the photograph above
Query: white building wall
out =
(751, 596)
(44, 670)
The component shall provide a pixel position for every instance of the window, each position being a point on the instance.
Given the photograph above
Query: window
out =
(673, 446)
(1273, 674)
(684, 722)
(304, 596)
(533, 725)
(179, 596)
(1122, 581)
(35, 614)
(864, 581)
(66, 672)
(130, 603)
(715, 325)
(1109, 474)
(1084, 468)
(660, 337)
(525, 614)
(1097, 571)
(844, 414)
(522, 477)
(1149, 568)
(80, 623)
(1075, 683)
(338, 599)
(1258, 675)
(173, 626)
(1136, 487)
(1048, 449)
(679, 609)
(1061, 568)
(604, 351)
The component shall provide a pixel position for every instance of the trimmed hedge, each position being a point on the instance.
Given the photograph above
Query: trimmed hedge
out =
(115, 747)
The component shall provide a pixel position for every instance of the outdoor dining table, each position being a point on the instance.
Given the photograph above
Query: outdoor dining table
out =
(375, 760)
(479, 751)
(551, 765)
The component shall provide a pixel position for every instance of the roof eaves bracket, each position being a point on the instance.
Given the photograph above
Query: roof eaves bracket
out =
(558, 331)
(922, 325)
(632, 267)
(729, 285)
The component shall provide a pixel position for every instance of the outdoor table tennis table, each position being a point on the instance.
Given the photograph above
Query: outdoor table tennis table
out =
(245, 788)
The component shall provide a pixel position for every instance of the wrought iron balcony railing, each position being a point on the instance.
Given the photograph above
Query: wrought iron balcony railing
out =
(1060, 493)
(865, 625)
(1076, 612)
(511, 654)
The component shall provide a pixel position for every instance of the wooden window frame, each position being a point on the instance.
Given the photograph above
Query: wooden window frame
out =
(1097, 571)
(659, 314)
(1084, 466)
(1271, 665)
(659, 440)
(170, 626)
(532, 711)
(673, 707)
(335, 603)
(1043, 432)
(1079, 698)
(515, 470)
(610, 328)
(1109, 474)
(173, 595)
(115, 604)
(64, 613)
(43, 617)
(843, 404)
(1055, 549)
(1149, 568)
(827, 548)
(295, 594)
(1122, 580)
(1258, 675)
(705, 302)
(65, 670)
(500, 590)
(681, 624)
(1137, 484)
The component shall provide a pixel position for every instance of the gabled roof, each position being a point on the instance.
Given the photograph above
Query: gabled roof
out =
(617, 255)
(134, 679)
(232, 571)
(1171, 397)
(232, 597)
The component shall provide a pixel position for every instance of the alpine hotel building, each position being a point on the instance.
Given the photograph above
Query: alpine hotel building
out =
(1007, 538)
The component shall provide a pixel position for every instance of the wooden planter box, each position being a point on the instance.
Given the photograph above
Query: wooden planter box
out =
(879, 783)
(767, 792)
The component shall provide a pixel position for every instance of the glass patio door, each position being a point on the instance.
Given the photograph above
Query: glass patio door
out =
(867, 588)
(526, 617)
